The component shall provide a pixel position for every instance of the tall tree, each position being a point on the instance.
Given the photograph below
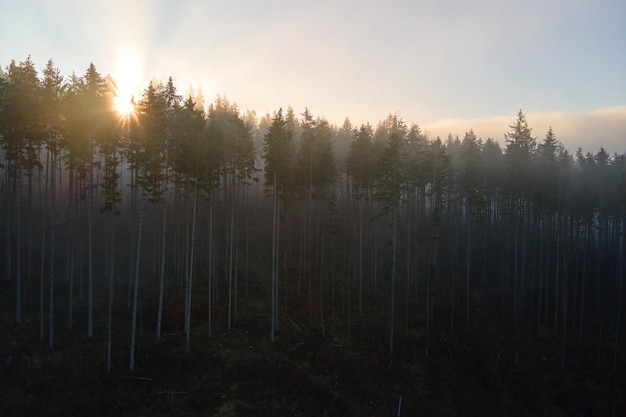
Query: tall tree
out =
(361, 164)
(473, 192)
(277, 151)
(390, 190)
(20, 139)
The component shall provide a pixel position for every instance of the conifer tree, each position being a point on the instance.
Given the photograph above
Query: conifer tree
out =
(277, 151)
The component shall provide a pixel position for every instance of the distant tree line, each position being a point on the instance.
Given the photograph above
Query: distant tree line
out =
(176, 217)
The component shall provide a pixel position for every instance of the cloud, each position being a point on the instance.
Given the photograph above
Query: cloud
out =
(605, 127)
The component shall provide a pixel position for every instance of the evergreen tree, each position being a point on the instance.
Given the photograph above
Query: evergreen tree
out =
(277, 151)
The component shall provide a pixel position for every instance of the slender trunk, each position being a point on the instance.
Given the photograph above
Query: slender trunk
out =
(393, 281)
(111, 288)
(467, 268)
(247, 196)
(190, 271)
(619, 294)
(52, 262)
(541, 274)
(322, 287)
(133, 331)
(162, 270)
(409, 274)
(556, 274)
(8, 223)
(309, 255)
(516, 272)
(74, 213)
(43, 257)
(301, 262)
(428, 303)
(236, 260)
(210, 272)
(564, 311)
(275, 252)
(361, 256)
(18, 254)
(230, 252)
(584, 279)
(90, 239)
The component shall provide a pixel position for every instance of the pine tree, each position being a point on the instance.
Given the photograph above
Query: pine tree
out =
(277, 151)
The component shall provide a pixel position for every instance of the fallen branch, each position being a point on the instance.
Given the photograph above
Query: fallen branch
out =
(137, 378)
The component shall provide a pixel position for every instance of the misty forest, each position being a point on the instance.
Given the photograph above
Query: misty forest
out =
(186, 258)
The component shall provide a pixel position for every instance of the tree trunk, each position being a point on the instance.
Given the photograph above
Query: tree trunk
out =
(619, 294)
(133, 331)
(210, 262)
(361, 256)
(190, 271)
(52, 262)
(111, 288)
(584, 279)
(43, 262)
(393, 281)
(275, 254)
(467, 266)
(231, 251)
(18, 253)
(162, 270)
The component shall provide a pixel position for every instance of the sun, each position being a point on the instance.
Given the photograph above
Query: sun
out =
(124, 105)
(127, 83)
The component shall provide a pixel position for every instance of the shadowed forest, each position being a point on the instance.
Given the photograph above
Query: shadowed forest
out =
(192, 259)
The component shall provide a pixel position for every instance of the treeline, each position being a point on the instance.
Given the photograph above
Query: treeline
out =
(378, 228)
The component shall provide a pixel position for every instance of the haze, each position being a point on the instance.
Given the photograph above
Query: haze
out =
(448, 66)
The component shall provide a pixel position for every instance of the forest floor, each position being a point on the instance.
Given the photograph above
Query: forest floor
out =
(478, 371)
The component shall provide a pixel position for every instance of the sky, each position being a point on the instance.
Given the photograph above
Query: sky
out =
(447, 65)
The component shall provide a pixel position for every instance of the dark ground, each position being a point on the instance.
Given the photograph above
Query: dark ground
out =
(471, 372)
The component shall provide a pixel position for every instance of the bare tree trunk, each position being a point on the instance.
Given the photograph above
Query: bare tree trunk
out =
(564, 307)
(210, 262)
(111, 261)
(541, 273)
(230, 251)
(322, 287)
(52, 262)
(43, 257)
(584, 279)
(190, 272)
(392, 296)
(90, 241)
(275, 254)
(556, 274)
(467, 266)
(133, 331)
(75, 215)
(7, 227)
(162, 269)
(619, 294)
(361, 256)
(18, 253)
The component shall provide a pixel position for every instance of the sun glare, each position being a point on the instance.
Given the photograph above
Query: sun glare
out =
(127, 77)
(123, 105)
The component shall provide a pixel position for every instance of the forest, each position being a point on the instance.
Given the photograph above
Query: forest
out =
(372, 269)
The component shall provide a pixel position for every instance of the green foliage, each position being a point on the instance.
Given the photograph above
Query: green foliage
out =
(361, 162)
(390, 179)
(237, 145)
(315, 162)
(472, 174)
(277, 151)
(518, 158)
